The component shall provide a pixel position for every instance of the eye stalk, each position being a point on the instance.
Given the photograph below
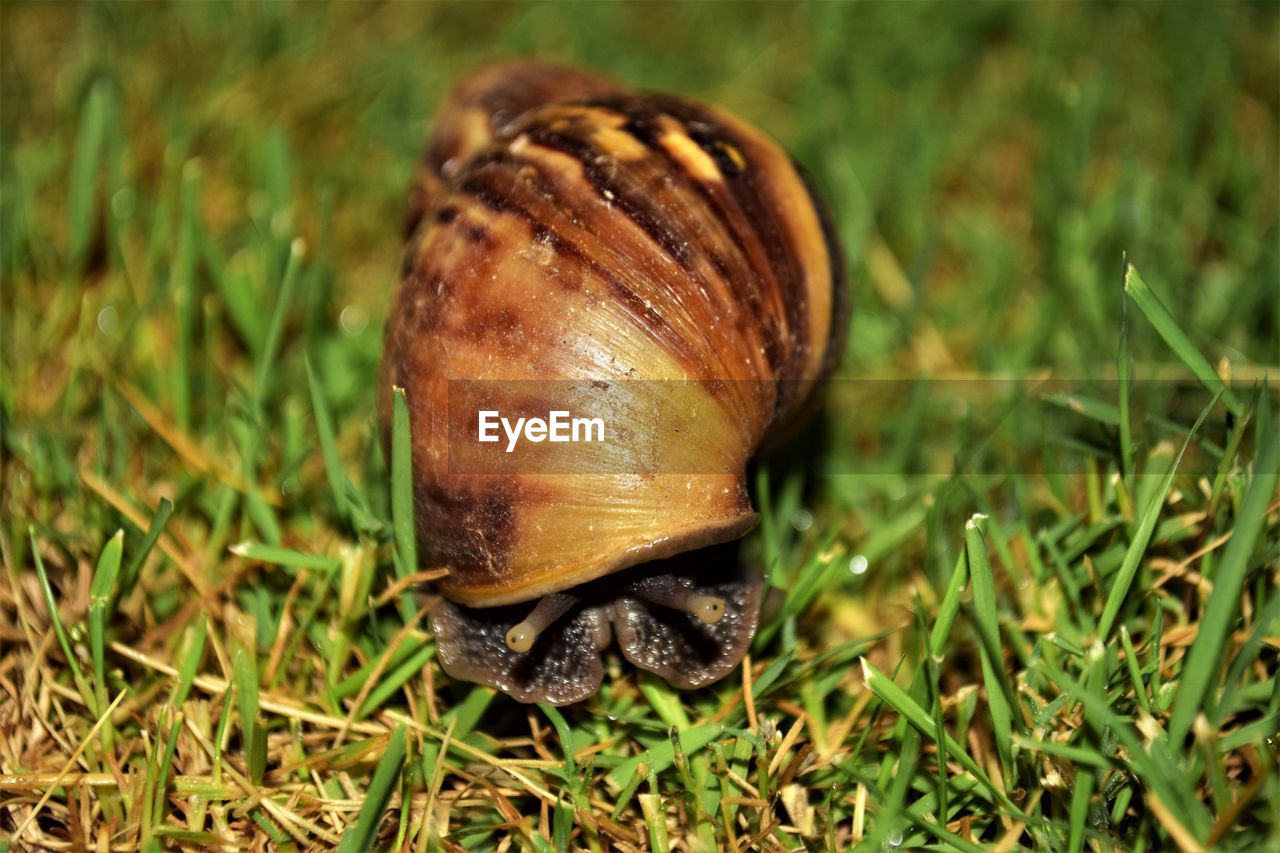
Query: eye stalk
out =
(707, 609)
(524, 634)
(521, 636)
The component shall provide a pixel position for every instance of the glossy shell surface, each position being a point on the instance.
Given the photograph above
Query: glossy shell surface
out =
(566, 228)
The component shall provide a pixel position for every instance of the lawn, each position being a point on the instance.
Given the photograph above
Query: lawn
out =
(1024, 564)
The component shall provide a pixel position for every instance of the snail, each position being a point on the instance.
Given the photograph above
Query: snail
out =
(563, 228)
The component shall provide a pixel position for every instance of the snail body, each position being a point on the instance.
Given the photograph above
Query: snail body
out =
(571, 237)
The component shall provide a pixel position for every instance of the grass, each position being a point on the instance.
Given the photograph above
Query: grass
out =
(1025, 591)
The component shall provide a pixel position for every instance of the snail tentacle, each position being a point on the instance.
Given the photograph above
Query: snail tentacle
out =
(524, 634)
(564, 666)
(666, 591)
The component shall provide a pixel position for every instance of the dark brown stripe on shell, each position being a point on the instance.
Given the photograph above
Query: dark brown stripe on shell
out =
(482, 524)
(407, 259)
(656, 222)
(653, 223)
(783, 268)
(745, 282)
(487, 181)
(495, 195)
(785, 264)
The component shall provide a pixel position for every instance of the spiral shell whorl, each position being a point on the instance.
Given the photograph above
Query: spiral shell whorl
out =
(565, 227)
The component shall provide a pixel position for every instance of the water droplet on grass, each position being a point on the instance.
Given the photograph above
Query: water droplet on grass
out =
(108, 320)
(353, 319)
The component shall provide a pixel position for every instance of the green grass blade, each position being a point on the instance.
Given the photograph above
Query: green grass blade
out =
(274, 832)
(402, 482)
(191, 656)
(950, 606)
(83, 177)
(328, 446)
(243, 311)
(898, 699)
(1259, 731)
(360, 837)
(402, 517)
(183, 289)
(1146, 300)
(467, 714)
(1230, 457)
(655, 820)
(1086, 756)
(664, 701)
(566, 736)
(773, 569)
(1204, 663)
(56, 621)
(286, 557)
(162, 776)
(901, 762)
(1133, 668)
(245, 674)
(1081, 793)
(661, 756)
(1147, 762)
(275, 331)
(954, 841)
(1119, 591)
(1000, 694)
(1124, 370)
(816, 574)
(395, 679)
(1267, 624)
(100, 592)
(932, 679)
(158, 521)
(351, 685)
(1093, 409)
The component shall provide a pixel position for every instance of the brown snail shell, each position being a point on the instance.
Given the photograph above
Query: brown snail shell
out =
(564, 228)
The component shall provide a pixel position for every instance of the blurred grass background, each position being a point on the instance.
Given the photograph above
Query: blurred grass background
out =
(200, 210)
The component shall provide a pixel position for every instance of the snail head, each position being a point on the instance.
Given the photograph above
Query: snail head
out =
(688, 619)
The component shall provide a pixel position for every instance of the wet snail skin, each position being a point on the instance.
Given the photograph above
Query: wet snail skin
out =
(563, 230)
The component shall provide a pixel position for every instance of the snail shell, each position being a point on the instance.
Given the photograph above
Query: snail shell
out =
(564, 228)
